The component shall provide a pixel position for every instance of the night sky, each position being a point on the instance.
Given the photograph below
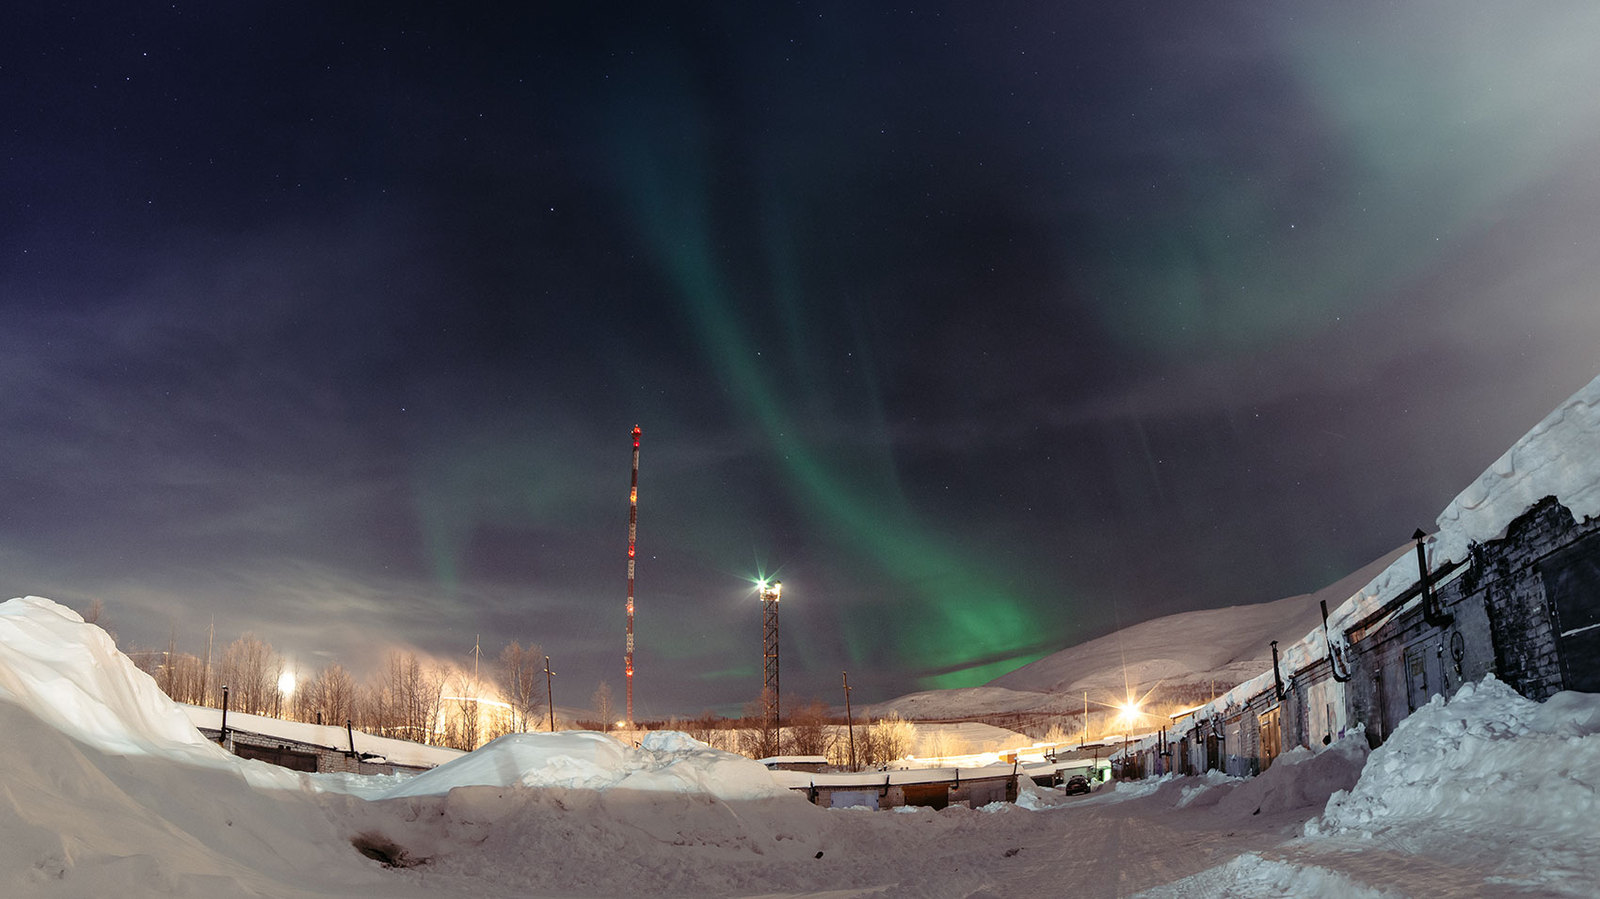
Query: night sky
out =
(986, 328)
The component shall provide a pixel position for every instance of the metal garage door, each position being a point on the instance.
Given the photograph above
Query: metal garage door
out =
(1572, 584)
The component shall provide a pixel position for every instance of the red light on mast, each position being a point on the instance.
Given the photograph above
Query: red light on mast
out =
(633, 530)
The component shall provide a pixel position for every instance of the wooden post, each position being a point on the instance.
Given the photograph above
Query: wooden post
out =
(549, 693)
(849, 722)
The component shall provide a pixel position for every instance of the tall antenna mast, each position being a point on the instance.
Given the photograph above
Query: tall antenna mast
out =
(769, 654)
(633, 529)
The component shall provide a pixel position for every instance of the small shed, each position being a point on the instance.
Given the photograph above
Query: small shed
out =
(935, 788)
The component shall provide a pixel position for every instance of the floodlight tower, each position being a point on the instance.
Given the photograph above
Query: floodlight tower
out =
(769, 649)
(633, 529)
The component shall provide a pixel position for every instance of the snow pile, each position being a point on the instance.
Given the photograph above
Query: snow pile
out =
(69, 674)
(1250, 876)
(586, 760)
(108, 790)
(1486, 759)
(1034, 798)
(1488, 767)
(1298, 779)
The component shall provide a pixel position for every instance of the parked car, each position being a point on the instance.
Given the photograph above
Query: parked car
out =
(1077, 783)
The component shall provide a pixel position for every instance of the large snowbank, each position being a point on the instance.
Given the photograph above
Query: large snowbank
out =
(1486, 793)
(668, 762)
(1488, 761)
(70, 674)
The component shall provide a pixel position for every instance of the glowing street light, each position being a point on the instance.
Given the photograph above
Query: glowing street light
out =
(285, 690)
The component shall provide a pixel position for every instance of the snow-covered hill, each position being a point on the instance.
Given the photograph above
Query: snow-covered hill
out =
(1200, 650)
(1221, 646)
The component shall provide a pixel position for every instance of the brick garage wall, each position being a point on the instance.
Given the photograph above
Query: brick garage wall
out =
(1526, 656)
(1502, 622)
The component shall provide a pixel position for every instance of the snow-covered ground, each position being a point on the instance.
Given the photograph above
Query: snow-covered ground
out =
(105, 789)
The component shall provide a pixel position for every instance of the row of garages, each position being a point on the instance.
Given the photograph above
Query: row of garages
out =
(1525, 608)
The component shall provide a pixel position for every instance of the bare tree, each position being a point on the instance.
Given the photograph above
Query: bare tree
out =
(604, 707)
(889, 739)
(940, 743)
(96, 614)
(165, 680)
(808, 729)
(522, 674)
(700, 728)
(760, 737)
(405, 699)
(250, 669)
(465, 724)
(185, 678)
(329, 697)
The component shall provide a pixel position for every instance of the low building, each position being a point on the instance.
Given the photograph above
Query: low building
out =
(934, 788)
(314, 748)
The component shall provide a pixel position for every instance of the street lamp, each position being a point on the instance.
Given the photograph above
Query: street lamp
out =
(1129, 712)
(770, 591)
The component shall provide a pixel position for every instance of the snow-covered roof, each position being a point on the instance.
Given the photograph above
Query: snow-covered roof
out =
(894, 776)
(400, 752)
(770, 761)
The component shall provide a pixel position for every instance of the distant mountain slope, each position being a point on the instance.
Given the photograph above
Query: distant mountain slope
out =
(1212, 646)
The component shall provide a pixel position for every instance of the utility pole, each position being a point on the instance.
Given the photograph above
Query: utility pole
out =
(549, 693)
(849, 722)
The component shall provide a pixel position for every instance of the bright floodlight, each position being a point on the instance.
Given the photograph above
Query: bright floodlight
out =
(286, 683)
